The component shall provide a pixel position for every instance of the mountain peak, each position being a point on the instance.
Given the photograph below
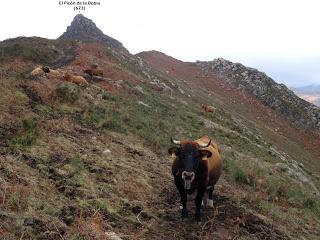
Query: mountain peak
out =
(85, 30)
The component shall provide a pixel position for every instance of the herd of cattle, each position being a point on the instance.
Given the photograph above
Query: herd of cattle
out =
(93, 71)
(67, 76)
(197, 164)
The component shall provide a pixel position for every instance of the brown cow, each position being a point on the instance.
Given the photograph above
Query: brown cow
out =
(207, 108)
(94, 72)
(37, 72)
(197, 165)
(75, 79)
(54, 74)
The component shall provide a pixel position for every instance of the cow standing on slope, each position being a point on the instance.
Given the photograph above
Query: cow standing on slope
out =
(207, 108)
(197, 166)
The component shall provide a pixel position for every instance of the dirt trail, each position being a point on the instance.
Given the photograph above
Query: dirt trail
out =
(227, 220)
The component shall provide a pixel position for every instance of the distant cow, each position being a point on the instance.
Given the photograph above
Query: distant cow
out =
(196, 165)
(51, 73)
(44, 71)
(54, 74)
(207, 108)
(37, 72)
(75, 79)
(94, 72)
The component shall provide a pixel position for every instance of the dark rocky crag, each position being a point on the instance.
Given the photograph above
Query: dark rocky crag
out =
(276, 96)
(85, 30)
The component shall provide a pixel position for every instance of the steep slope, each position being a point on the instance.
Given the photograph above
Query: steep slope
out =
(84, 29)
(91, 162)
(248, 80)
(276, 96)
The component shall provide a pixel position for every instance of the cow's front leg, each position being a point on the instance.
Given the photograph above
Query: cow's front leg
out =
(198, 202)
(210, 197)
(184, 199)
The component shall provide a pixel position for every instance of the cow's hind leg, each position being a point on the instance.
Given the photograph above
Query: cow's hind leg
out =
(210, 198)
(198, 201)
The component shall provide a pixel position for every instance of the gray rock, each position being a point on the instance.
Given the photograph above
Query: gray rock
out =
(81, 26)
(143, 104)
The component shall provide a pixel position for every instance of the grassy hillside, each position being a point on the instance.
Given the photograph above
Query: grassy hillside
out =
(86, 162)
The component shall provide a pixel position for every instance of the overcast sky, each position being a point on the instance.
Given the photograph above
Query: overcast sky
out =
(279, 37)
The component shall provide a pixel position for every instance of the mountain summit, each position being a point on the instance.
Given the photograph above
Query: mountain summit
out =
(85, 30)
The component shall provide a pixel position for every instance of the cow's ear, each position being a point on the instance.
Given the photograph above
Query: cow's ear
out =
(205, 153)
(174, 151)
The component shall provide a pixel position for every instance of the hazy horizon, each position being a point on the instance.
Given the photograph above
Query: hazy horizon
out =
(278, 38)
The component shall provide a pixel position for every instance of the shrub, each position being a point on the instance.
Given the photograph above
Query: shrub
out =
(68, 92)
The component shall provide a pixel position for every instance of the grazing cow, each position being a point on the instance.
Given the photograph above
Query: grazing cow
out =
(51, 73)
(94, 72)
(208, 108)
(54, 74)
(37, 72)
(45, 69)
(196, 165)
(75, 79)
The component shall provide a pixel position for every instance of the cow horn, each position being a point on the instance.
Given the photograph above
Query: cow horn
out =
(175, 141)
(205, 145)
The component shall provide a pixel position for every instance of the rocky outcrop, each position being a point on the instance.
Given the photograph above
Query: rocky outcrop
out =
(85, 30)
(276, 96)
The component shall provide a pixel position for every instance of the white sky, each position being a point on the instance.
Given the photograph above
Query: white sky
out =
(279, 37)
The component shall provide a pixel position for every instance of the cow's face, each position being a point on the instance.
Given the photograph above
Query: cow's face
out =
(46, 69)
(189, 157)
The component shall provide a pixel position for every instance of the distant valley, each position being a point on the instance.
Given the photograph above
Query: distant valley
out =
(310, 93)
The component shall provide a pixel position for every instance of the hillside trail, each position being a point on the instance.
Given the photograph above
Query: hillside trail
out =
(227, 220)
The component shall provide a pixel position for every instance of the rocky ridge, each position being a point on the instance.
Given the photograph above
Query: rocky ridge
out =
(85, 30)
(276, 96)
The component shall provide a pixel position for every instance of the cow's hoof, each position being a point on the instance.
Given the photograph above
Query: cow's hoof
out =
(210, 203)
(198, 218)
(184, 213)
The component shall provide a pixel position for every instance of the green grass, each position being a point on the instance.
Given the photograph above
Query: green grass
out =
(240, 177)
(306, 199)
(27, 136)
(20, 96)
(45, 110)
(229, 158)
